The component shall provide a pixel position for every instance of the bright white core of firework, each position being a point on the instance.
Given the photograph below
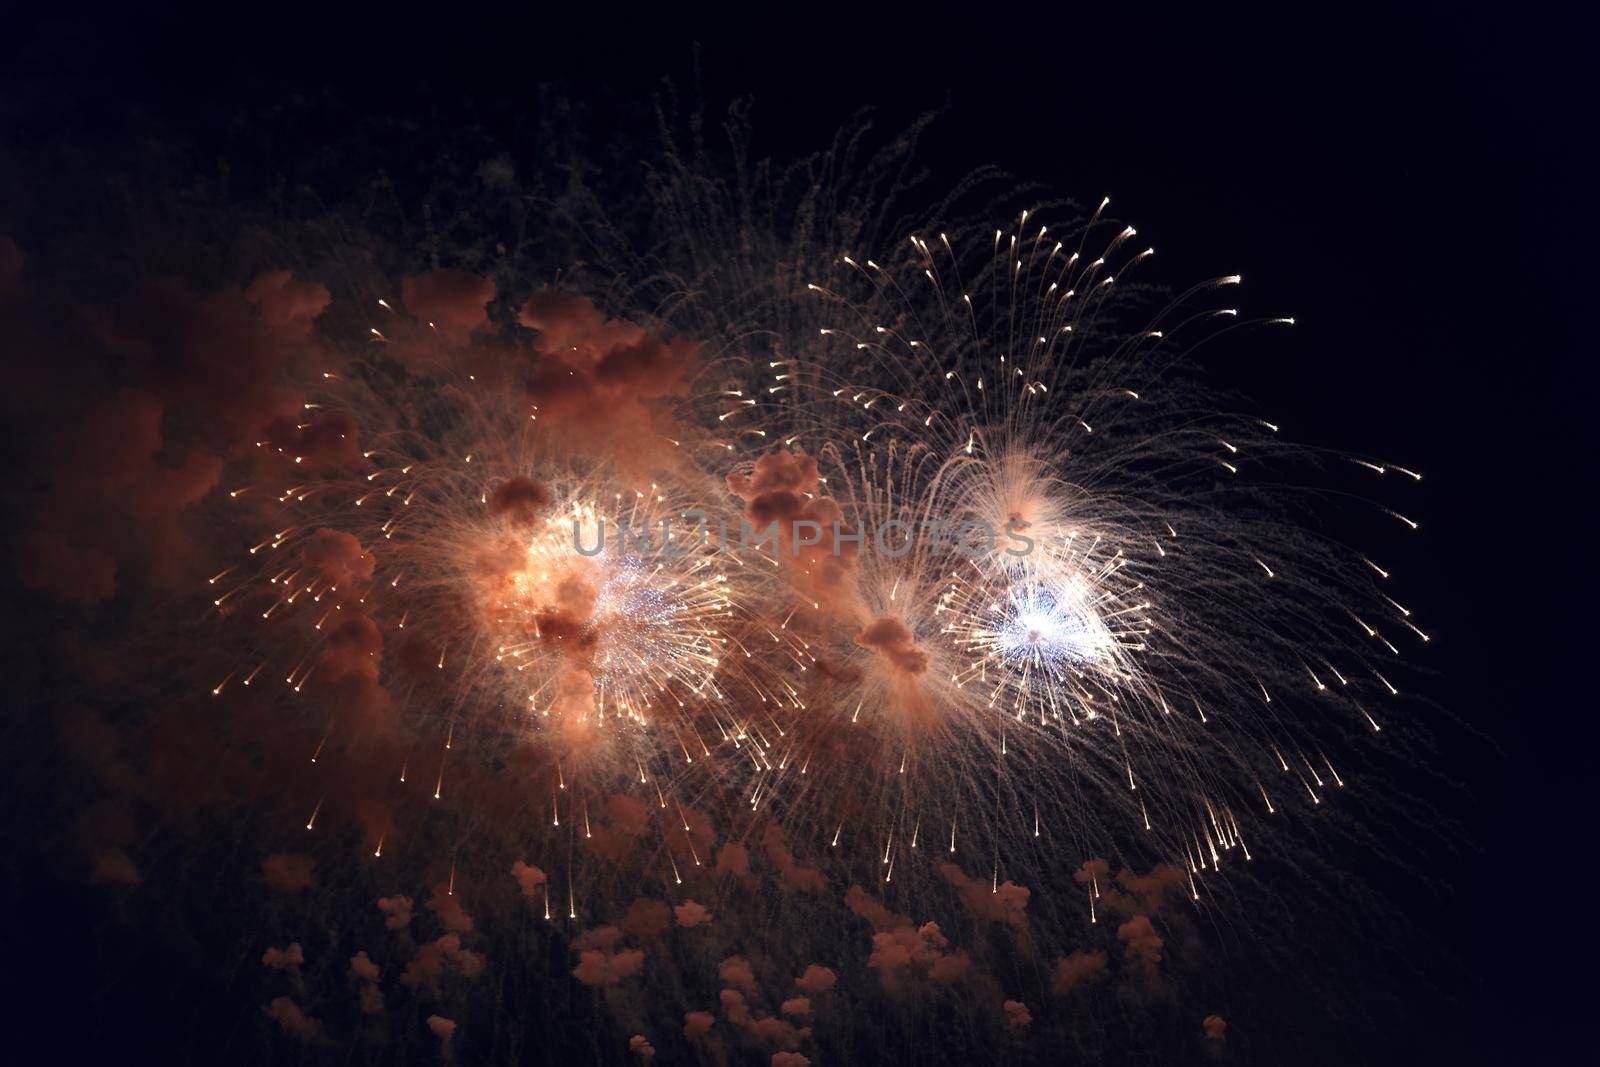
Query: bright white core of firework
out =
(1044, 626)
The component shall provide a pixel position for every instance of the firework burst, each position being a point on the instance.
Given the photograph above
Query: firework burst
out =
(737, 577)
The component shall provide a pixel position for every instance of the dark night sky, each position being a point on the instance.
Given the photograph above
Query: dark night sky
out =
(1413, 187)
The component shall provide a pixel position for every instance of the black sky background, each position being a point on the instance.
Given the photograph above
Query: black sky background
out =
(1414, 186)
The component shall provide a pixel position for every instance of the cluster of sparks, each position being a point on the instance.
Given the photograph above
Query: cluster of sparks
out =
(1165, 666)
